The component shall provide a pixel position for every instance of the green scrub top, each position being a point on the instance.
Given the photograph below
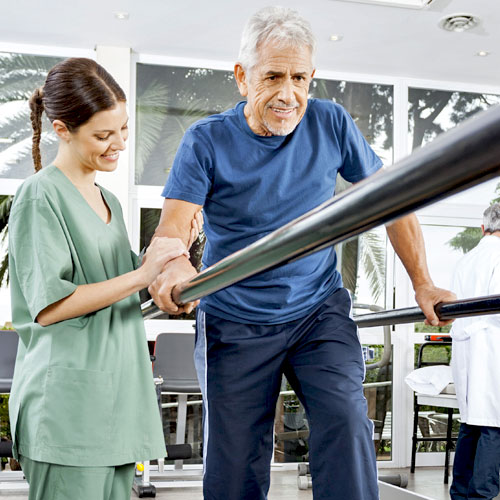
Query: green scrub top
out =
(83, 391)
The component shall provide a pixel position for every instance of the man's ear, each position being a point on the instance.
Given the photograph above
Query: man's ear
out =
(61, 130)
(241, 79)
(482, 228)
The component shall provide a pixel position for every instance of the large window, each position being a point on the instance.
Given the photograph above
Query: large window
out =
(432, 112)
(20, 75)
(169, 100)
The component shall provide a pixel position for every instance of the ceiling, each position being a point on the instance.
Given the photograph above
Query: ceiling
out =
(376, 39)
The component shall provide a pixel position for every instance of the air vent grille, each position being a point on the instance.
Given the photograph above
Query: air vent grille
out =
(459, 22)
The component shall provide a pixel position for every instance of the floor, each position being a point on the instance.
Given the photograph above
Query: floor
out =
(426, 481)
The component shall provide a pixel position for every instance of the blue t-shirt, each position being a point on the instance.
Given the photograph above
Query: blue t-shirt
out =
(250, 185)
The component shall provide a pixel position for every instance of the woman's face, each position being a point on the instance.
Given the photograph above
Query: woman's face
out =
(97, 143)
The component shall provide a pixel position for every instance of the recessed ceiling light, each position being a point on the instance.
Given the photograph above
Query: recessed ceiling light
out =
(122, 16)
(459, 22)
(483, 53)
(336, 38)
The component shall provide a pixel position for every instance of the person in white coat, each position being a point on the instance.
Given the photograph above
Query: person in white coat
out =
(476, 369)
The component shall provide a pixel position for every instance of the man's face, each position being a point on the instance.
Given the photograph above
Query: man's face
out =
(276, 88)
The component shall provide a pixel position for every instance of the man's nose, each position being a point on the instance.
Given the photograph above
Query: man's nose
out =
(286, 91)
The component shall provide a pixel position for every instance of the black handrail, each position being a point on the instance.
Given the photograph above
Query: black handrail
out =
(477, 306)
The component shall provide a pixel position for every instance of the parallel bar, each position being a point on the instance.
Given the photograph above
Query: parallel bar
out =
(447, 310)
(457, 160)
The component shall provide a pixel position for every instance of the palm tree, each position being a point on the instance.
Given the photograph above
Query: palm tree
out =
(20, 74)
(5, 204)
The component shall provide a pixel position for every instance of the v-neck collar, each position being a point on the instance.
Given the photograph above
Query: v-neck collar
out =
(82, 198)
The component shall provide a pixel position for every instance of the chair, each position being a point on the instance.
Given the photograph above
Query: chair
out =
(8, 351)
(174, 364)
(432, 428)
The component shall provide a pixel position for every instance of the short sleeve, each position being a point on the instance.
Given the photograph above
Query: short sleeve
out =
(40, 256)
(190, 178)
(358, 158)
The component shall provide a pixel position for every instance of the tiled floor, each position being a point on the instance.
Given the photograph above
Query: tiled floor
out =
(426, 481)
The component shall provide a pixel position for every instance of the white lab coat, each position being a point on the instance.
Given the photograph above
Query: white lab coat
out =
(476, 340)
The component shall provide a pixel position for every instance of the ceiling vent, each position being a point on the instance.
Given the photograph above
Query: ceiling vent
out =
(408, 4)
(459, 22)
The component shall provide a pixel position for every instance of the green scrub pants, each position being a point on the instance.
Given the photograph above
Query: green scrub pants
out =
(61, 482)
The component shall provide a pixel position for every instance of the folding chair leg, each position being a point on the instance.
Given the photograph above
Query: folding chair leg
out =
(181, 425)
(414, 441)
(448, 446)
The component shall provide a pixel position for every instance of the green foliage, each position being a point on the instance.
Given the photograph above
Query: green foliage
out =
(423, 328)
(20, 74)
(4, 416)
(467, 239)
(426, 106)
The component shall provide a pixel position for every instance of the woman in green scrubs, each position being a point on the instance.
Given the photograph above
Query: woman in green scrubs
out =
(83, 408)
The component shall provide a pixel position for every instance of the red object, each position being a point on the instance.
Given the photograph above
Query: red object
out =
(438, 338)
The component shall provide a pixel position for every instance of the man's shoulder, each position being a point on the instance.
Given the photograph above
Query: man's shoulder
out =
(207, 124)
(325, 106)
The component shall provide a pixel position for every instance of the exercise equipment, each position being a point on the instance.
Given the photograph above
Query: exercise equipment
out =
(174, 373)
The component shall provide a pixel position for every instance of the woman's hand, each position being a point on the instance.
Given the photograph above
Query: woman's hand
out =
(160, 251)
(196, 226)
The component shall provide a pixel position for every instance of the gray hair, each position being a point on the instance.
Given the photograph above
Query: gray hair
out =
(285, 27)
(491, 218)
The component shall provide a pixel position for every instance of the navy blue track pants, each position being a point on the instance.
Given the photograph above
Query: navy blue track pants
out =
(476, 466)
(240, 367)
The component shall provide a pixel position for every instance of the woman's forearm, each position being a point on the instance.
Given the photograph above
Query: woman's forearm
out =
(90, 298)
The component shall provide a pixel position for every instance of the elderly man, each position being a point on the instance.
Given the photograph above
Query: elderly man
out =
(253, 169)
(476, 370)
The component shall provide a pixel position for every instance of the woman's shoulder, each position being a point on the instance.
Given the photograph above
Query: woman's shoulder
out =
(37, 188)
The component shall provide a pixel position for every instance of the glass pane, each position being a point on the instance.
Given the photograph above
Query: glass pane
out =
(431, 112)
(370, 105)
(20, 74)
(362, 264)
(445, 245)
(379, 400)
(169, 100)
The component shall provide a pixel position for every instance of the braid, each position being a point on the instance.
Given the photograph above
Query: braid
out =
(37, 107)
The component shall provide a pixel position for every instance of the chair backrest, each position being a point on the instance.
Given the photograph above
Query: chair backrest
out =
(434, 353)
(8, 351)
(174, 362)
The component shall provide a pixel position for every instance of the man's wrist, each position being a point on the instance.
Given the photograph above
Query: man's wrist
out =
(181, 262)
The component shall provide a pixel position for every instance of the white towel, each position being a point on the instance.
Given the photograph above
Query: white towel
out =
(430, 380)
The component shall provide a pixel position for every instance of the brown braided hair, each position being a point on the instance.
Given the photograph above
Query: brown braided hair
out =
(36, 106)
(75, 89)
